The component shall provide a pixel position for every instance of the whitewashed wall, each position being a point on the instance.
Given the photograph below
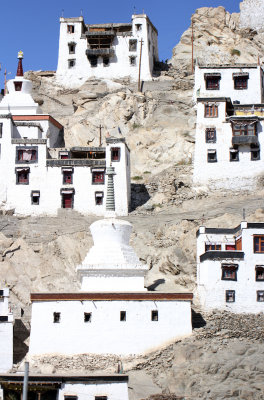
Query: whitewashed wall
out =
(211, 288)
(252, 95)
(106, 334)
(86, 391)
(6, 334)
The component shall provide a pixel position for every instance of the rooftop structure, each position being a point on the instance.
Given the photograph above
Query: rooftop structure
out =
(110, 51)
(230, 268)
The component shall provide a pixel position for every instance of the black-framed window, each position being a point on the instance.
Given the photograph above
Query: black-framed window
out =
(72, 47)
(35, 196)
(70, 397)
(133, 60)
(233, 155)
(106, 61)
(122, 315)
(212, 82)
(71, 63)
(100, 397)
(255, 154)
(26, 154)
(115, 154)
(98, 177)
(258, 243)
(70, 28)
(1, 129)
(56, 317)
(229, 272)
(230, 296)
(260, 295)
(93, 61)
(154, 315)
(132, 44)
(211, 156)
(210, 135)
(99, 198)
(87, 317)
(64, 155)
(67, 177)
(22, 176)
(260, 273)
(241, 82)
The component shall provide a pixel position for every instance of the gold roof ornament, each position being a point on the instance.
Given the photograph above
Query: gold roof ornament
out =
(20, 54)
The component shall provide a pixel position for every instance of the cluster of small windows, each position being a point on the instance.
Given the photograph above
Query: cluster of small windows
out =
(229, 272)
(230, 296)
(87, 316)
(233, 155)
(212, 81)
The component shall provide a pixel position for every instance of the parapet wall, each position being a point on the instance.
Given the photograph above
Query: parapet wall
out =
(252, 14)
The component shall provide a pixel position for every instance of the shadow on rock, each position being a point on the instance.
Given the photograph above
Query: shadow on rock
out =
(155, 284)
(21, 333)
(139, 195)
(197, 320)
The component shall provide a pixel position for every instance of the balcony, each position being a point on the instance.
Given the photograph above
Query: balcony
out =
(246, 139)
(84, 162)
(92, 34)
(222, 255)
(100, 52)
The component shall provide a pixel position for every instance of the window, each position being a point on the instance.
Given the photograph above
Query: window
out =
(67, 176)
(106, 61)
(70, 28)
(100, 397)
(67, 200)
(255, 154)
(56, 317)
(132, 44)
(212, 82)
(18, 86)
(26, 155)
(71, 63)
(93, 61)
(210, 135)
(35, 194)
(122, 315)
(154, 315)
(210, 111)
(239, 243)
(115, 154)
(234, 155)
(259, 273)
(260, 295)
(70, 397)
(97, 177)
(1, 129)
(22, 176)
(258, 243)
(230, 247)
(241, 82)
(211, 156)
(244, 129)
(72, 48)
(3, 318)
(211, 246)
(99, 198)
(87, 317)
(133, 60)
(138, 27)
(63, 155)
(229, 272)
(230, 296)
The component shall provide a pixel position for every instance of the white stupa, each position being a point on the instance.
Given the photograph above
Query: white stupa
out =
(111, 264)
(19, 100)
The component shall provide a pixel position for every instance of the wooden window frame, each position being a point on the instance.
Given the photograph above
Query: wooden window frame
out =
(210, 111)
(32, 196)
(244, 130)
(70, 28)
(21, 149)
(227, 268)
(64, 156)
(96, 181)
(64, 177)
(115, 158)
(241, 82)
(233, 293)
(18, 178)
(154, 315)
(211, 160)
(258, 240)
(99, 197)
(65, 192)
(210, 135)
(209, 247)
(260, 296)
(259, 268)
(212, 82)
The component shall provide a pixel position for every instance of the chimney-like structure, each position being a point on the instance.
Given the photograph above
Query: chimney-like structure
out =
(20, 57)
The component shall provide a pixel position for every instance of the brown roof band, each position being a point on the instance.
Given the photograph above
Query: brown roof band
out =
(110, 296)
(37, 118)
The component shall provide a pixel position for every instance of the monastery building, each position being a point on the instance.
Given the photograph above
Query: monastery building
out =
(40, 176)
(110, 51)
(6, 332)
(229, 148)
(230, 268)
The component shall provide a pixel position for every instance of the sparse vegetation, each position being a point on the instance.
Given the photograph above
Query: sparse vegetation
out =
(235, 52)
(137, 178)
(146, 172)
(136, 126)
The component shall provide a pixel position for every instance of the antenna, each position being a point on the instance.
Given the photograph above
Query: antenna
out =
(62, 13)
(81, 12)
(244, 214)
(135, 10)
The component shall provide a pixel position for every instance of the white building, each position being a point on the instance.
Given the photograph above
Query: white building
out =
(66, 387)
(6, 332)
(110, 51)
(39, 176)
(229, 148)
(230, 268)
(117, 315)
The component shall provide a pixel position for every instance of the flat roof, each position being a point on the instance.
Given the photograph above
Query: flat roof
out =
(226, 66)
(232, 231)
(59, 378)
(110, 296)
(38, 117)
(227, 99)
